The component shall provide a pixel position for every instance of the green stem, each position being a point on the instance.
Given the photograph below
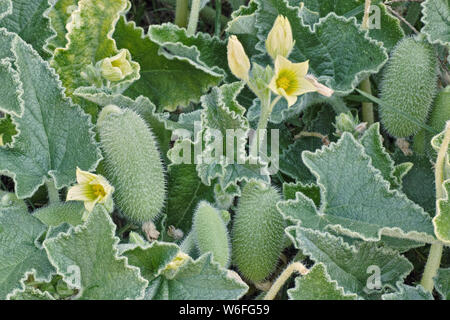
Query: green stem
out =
(217, 22)
(53, 194)
(367, 107)
(284, 276)
(266, 110)
(435, 255)
(181, 13)
(193, 18)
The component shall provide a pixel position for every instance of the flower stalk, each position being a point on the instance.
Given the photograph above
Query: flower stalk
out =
(435, 255)
(284, 276)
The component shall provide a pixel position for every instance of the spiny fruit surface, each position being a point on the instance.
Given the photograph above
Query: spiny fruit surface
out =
(132, 163)
(409, 85)
(258, 231)
(211, 234)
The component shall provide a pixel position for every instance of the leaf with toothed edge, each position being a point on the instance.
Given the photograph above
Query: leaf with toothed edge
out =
(442, 219)
(54, 137)
(89, 40)
(29, 20)
(348, 264)
(409, 293)
(59, 15)
(345, 208)
(317, 285)
(201, 279)
(20, 251)
(436, 20)
(5, 8)
(389, 31)
(167, 80)
(87, 258)
(442, 283)
(345, 205)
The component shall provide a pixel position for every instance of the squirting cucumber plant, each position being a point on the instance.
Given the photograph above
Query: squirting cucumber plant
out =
(245, 149)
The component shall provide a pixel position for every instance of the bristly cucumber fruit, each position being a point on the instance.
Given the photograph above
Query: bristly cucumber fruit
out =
(132, 163)
(409, 86)
(211, 234)
(438, 117)
(258, 231)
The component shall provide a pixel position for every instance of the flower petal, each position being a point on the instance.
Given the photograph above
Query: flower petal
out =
(81, 192)
(84, 176)
(304, 86)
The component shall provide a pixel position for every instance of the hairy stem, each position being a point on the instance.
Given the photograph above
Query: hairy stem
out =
(435, 255)
(217, 22)
(367, 107)
(181, 13)
(193, 17)
(266, 110)
(284, 276)
(53, 194)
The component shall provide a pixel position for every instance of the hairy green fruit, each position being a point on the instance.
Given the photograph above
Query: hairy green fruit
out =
(132, 163)
(409, 85)
(211, 234)
(441, 110)
(438, 117)
(258, 231)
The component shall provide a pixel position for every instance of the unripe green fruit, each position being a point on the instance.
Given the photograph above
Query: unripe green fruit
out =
(441, 110)
(439, 115)
(409, 85)
(258, 231)
(132, 163)
(211, 234)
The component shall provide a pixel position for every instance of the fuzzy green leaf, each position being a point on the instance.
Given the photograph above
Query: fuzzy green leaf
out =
(442, 283)
(89, 41)
(436, 20)
(151, 259)
(372, 142)
(167, 80)
(5, 8)
(221, 112)
(317, 285)
(30, 293)
(20, 251)
(333, 47)
(202, 279)
(208, 51)
(54, 135)
(344, 195)
(349, 265)
(185, 191)
(389, 30)
(29, 19)
(54, 214)
(409, 293)
(87, 258)
(59, 15)
(442, 219)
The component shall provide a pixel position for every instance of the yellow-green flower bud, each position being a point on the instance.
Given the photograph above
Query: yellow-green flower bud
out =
(237, 59)
(118, 67)
(280, 41)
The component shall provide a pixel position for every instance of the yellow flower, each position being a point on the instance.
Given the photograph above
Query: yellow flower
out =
(118, 67)
(280, 41)
(289, 80)
(179, 260)
(91, 189)
(237, 59)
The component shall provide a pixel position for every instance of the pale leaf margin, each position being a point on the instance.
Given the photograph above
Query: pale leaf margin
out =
(80, 228)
